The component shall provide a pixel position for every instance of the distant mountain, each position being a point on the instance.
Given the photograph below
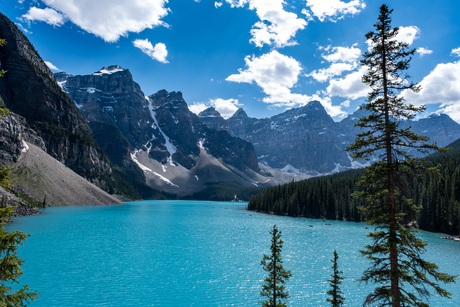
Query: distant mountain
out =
(307, 140)
(159, 134)
(300, 140)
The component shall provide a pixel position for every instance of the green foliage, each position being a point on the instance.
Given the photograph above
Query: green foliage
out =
(10, 266)
(322, 197)
(274, 288)
(336, 299)
(2, 43)
(395, 252)
(5, 177)
(437, 193)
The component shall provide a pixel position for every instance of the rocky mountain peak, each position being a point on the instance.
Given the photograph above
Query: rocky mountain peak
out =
(110, 70)
(163, 97)
(209, 112)
(212, 118)
(240, 113)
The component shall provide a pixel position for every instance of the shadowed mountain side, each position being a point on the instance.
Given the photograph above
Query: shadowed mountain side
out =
(41, 176)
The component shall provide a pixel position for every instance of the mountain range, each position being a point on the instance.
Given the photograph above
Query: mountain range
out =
(307, 140)
(103, 129)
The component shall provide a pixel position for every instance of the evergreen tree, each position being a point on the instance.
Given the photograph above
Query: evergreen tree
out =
(10, 265)
(336, 299)
(395, 252)
(273, 288)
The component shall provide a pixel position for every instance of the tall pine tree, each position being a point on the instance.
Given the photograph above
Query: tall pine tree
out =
(395, 251)
(336, 299)
(273, 288)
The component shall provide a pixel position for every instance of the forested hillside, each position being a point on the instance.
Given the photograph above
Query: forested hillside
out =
(329, 197)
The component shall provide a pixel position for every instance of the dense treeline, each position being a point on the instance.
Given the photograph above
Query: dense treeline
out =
(329, 197)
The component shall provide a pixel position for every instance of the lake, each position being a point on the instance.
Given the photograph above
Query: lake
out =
(185, 253)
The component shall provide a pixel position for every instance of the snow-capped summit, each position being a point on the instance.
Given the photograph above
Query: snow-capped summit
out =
(109, 70)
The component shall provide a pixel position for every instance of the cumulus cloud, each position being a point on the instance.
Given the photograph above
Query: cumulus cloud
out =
(51, 66)
(158, 53)
(350, 86)
(276, 26)
(334, 9)
(47, 15)
(408, 34)
(110, 19)
(276, 74)
(197, 107)
(342, 59)
(217, 4)
(226, 107)
(423, 51)
(456, 52)
(442, 85)
(335, 69)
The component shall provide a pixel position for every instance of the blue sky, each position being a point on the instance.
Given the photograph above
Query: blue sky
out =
(263, 55)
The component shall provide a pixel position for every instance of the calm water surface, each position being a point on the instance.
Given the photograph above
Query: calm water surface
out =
(182, 253)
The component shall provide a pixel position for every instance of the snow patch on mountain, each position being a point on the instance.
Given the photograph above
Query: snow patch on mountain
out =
(109, 70)
(290, 169)
(169, 146)
(146, 169)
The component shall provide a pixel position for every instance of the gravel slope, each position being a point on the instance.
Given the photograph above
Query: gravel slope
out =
(39, 175)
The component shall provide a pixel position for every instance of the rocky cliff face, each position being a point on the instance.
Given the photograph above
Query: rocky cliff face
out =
(111, 96)
(159, 130)
(187, 134)
(212, 118)
(307, 140)
(304, 139)
(439, 128)
(29, 89)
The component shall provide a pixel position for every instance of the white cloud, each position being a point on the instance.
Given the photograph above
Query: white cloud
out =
(51, 66)
(47, 15)
(276, 26)
(351, 86)
(408, 34)
(342, 54)
(158, 53)
(342, 58)
(334, 9)
(110, 19)
(226, 107)
(198, 107)
(442, 85)
(336, 69)
(456, 52)
(423, 51)
(217, 4)
(277, 74)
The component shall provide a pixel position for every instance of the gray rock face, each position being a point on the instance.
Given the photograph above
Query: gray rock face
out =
(439, 128)
(212, 118)
(161, 124)
(304, 139)
(187, 133)
(112, 97)
(29, 89)
(307, 140)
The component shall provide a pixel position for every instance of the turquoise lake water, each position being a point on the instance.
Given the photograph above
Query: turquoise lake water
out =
(183, 253)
